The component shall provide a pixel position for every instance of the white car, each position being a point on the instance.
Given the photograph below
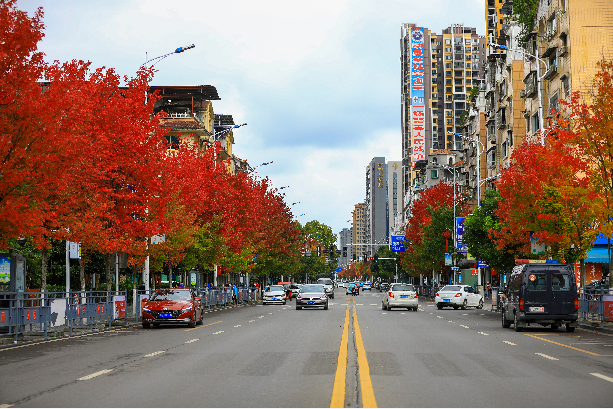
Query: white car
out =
(341, 284)
(457, 296)
(367, 286)
(274, 294)
(401, 296)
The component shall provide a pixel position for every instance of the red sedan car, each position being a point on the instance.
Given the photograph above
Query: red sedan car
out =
(173, 306)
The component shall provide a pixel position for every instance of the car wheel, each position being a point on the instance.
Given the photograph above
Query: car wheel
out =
(464, 304)
(192, 324)
(326, 306)
(480, 304)
(440, 307)
(569, 328)
(455, 307)
(284, 302)
(146, 325)
(382, 305)
(415, 309)
(156, 325)
(389, 307)
(516, 323)
(298, 307)
(505, 322)
(199, 322)
(555, 326)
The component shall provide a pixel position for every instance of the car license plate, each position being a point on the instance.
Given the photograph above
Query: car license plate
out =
(537, 309)
(165, 315)
(310, 302)
(447, 299)
(404, 296)
(274, 298)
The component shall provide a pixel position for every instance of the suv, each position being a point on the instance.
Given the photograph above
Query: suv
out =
(544, 294)
(328, 286)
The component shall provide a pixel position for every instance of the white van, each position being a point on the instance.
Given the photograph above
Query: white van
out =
(328, 286)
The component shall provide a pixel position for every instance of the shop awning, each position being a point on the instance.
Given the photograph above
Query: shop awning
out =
(598, 255)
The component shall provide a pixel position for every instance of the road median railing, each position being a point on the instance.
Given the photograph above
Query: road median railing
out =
(595, 306)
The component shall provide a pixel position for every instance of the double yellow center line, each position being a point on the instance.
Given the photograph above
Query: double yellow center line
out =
(366, 389)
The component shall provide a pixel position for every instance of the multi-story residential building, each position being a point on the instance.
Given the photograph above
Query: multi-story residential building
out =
(569, 38)
(394, 196)
(377, 226)
(190, 118)
(345, 245)
(439, 72)
(359, 231)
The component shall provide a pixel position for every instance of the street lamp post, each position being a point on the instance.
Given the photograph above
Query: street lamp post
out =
(157, 60)
(538, 85)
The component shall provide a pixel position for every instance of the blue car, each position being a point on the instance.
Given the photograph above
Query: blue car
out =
(352, 289)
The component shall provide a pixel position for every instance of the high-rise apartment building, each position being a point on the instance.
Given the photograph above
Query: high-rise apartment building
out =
(394, 196)
(439, 72)
(377, 226)
(345, 237)
(359, 230)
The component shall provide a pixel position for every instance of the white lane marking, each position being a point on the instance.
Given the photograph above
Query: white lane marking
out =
(102, 372)
(606, 378)
(438, 316)
(482, 333)
(374, 304)
(359, 304)
(270, 313)
(153, 354)
(464, 326)
(464, 314)
(251, 320)
(547, 356)
(236, 326)
(6, 405)
(344, 304)
(431, 313)
(192, 340)
(450, 321)
(217, 333)
(261, 316)
(481, 314)
(509, 342)
(384, 313)
(402, 313)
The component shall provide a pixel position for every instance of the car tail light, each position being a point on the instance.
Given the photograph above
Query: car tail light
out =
(415, 295)
(576, 303)
(437, 295)
(458, 295)
(521, 304)
(391, 294)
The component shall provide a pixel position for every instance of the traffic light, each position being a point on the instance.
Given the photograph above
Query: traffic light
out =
(332, 253)
(318, 251)
(365, 257)
(376, 257)
(345, 251)
(353, 256)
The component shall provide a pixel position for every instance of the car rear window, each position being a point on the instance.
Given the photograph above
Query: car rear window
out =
(537, 281)
(311, 289)
(560, 282)
(452, 288)
(275, 288)
(402, 287)
(172, 295)
(325, 281)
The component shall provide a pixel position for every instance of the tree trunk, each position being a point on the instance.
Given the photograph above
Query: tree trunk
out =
(43, 279)
(107, 270)
(582, 272)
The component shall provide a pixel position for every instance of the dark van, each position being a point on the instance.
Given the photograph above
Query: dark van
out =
(541, 293)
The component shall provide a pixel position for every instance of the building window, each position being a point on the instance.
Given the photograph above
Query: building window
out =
(553, 102)
(447, 41)
(535, 122)
(433, 173)
(448, 65)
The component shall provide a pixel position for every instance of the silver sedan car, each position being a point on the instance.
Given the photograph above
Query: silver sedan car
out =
(457, 296)
(274, 294)
(312, 296)
(401, 296)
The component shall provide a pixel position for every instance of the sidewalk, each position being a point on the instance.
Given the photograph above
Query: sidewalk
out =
(62, 331)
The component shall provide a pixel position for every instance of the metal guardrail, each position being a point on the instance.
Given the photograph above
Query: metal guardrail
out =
(592, 306)
(23, 312)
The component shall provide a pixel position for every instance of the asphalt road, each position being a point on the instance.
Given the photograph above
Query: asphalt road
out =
(276, 356)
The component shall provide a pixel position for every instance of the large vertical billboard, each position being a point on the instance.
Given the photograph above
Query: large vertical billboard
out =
(459, 235)
(418, 108)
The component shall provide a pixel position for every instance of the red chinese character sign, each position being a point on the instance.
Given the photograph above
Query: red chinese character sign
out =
(418, 117)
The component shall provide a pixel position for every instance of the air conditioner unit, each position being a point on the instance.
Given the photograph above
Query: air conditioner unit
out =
(522, 94)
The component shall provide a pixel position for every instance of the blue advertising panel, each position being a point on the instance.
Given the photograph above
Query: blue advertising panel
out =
(418, 108)
(398, 244)
(459, 232)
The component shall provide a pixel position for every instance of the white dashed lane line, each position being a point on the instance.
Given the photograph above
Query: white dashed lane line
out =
(218, 332)
(192, 340)
(606, 378)
(482, 333)
(102, 372)
(464, 326)
(236, 326)
(154, 354)
(546, 356)
(509, 342)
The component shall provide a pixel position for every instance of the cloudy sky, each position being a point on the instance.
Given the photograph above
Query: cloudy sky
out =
(317, 82)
